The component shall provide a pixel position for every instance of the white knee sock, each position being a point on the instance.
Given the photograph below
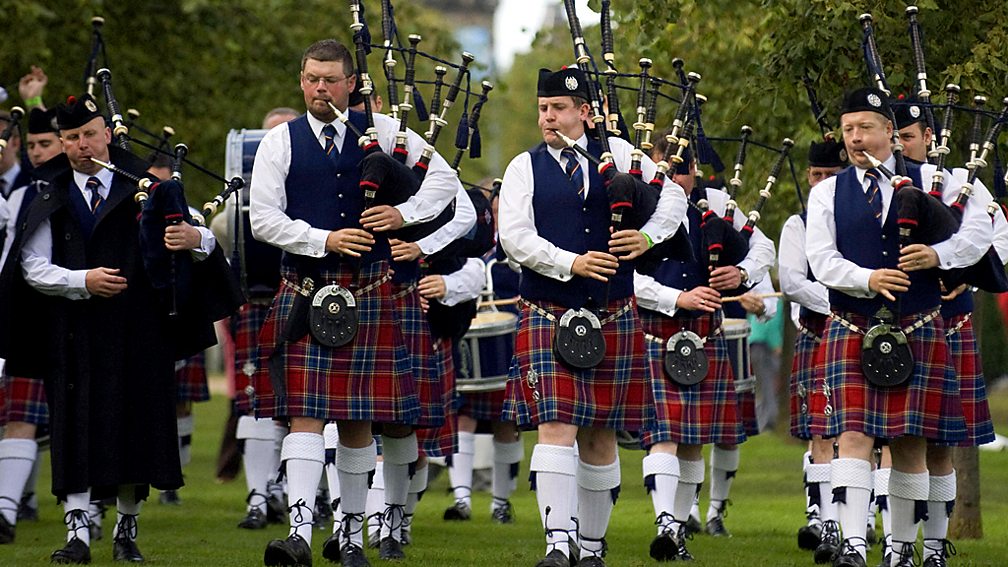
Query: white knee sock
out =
(355, 465)
(418, 485)
(17, 458)
(507, 456)
(330, 435)
(461, 470)
(126, 505)
(555, 471)
(597, 490)
(724, 464)
(77, 525)
(399, 455)
(819, 477)
(905, 491)
(811, 510)
(854, 477)
(941, 498)
(882, 499)
(185, 431)
(375, 504)
(661, 476)
(303, 456)
(691, 476)
(257, 457)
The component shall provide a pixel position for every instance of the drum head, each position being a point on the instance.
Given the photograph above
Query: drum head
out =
(685, 361)
(736, 328)
(886, 359)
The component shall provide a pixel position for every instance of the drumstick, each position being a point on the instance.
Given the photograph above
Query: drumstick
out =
(499, 302)
(757, 296)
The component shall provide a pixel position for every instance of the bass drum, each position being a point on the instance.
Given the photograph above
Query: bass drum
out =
(486, 351)
(256, 264)
(736, 334)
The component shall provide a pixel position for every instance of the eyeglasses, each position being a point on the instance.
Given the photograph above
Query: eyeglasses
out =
(312, 79)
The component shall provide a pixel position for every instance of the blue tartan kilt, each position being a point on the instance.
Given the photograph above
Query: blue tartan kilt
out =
(613, 395)
(191, 380)
(928, 405)
(370, 379)
(416, 333)
(967, 367)
(706, 412)
(443, 441)
(245, 328)
(807, 360)
(23, 400)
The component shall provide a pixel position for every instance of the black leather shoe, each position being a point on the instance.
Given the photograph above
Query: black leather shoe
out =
(331, 548)
(592, 562)
(830, 546)
(555, 558)
(809, 536)
(353, 556)
(125, 549)
(276, 511)
(6, 531)
(291, 551)
(460, 511)
(664, 547)
(682, 536)
(390, 549)
(26, 512)
(170, 497)
(852, 559)
(74, 552)
(504, 514)
(715, 527)
(254, 520)
(693, 526)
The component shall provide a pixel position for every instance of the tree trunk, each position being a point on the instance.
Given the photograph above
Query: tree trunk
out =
(966, 521)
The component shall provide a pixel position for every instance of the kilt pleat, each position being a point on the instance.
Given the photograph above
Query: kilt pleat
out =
(807, 360)
(613, 395)
(23, 400)
(928, 405)
(245, 328)
(369, 379)
(191, 380)
(442, 441)
(967, 367)
(706, 412)
(416, 333)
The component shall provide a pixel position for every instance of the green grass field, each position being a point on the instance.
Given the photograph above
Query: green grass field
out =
(768, 509)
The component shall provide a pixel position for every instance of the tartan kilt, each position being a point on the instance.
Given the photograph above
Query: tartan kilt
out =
(966, 365)
(245, 327)
(191, 380)
(706, 412)
(369, 379)
(747, 412)
(613, 395)
(443, 441)
(23, 400)
(416, 333)
(483, 406)
(808, 358)
(926, 406)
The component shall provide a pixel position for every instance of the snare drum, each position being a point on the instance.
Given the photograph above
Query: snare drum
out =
(736, 334)
(485, 352)
(260, 260)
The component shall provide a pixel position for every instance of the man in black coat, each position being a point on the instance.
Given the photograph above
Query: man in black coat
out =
(95, 326)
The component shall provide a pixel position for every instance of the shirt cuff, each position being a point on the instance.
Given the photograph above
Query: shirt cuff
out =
(564, 263)
(409, 213)
(207, 244)
(76, 281)
(862, 276)
(946, 253)
(317, 242)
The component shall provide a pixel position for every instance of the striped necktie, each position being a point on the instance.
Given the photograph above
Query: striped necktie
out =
(874, 193)
(93, 185)
(573, 170)
(329, 131)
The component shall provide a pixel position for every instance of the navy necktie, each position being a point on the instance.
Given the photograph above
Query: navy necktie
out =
(329, 131)
(874, 193)
(573, 170)
(92, 185)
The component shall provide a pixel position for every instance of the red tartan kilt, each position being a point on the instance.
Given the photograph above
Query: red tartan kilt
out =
(483, 406)
(245, 328)
(807, 359)
(25, 401)
(416, 333)
(613, 395)
(369, 379)
(443, 441)
(972, 390)
(191, 380)
(706, 412)
(928, 405)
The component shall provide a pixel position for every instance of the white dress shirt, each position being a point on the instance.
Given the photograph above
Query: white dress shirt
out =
(464, 284)
(516, 215)
(459, 225)
(982, 196)
(268, 196)
(51, 279)
(792, 267)
(963, 249)
(757, 263)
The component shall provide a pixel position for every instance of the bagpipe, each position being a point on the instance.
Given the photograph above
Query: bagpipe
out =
(16, 114)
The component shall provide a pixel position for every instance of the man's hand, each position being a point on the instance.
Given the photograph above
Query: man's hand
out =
(104, 282)
(955, 293)
(182, 236)
(349, 241)
(726, 277)
(596, 265)
(382, 218)
(404, 251)
(627, 244)
(917, 257)
(752, 304)
(887, 281)
(432, 287)
(32, 84)
(700, 298)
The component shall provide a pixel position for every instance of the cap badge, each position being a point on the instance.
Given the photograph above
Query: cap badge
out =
(90, 105)
(571, 83)
(915, 111)
(874, 100)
